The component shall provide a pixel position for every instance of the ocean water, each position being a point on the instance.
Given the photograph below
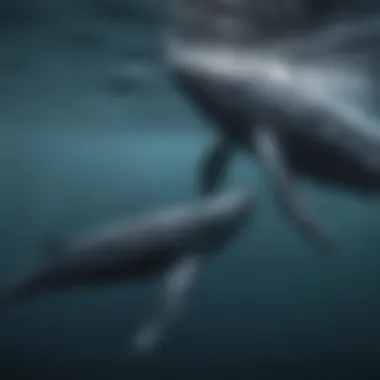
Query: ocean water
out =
(73, 154)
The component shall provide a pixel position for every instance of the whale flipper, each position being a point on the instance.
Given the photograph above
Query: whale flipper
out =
(177, 283)
(269, 151)
(214, 165)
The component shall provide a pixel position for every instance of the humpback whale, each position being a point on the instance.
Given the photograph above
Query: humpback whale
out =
(271, 100)
(172, 244)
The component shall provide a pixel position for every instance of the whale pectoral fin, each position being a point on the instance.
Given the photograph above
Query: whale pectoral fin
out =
(269, 151)
(214, 165)
(177, 284)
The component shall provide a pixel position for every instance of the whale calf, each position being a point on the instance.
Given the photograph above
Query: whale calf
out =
(265, 98)
(172, 243)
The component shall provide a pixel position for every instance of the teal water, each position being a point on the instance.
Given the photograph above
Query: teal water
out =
(73, 156)
(266, 307)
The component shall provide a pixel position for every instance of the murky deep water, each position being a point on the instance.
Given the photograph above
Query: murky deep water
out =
(73, 155)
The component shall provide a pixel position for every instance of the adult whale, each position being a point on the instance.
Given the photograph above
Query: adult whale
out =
(272, 100)
(171, 243)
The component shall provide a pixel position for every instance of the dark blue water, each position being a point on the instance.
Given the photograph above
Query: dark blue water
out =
(73, 155)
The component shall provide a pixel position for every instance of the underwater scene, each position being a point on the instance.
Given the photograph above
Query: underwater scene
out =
(189, 190)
